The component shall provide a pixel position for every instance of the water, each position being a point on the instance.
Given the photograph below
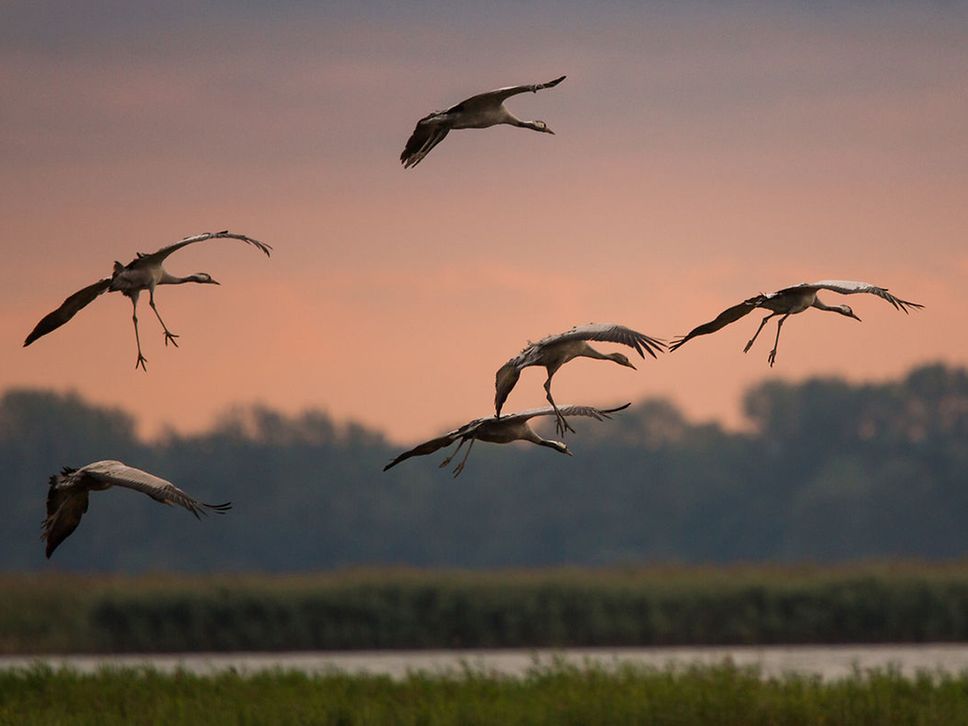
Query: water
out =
(828, 662)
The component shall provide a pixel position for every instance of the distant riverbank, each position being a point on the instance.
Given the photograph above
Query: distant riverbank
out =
(827, 662)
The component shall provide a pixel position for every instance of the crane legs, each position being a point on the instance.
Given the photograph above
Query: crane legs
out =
(460, 467)
(446, 461)
(134, 316)
(757, 333)
(561, 425)
(168, 334)
(776, 344)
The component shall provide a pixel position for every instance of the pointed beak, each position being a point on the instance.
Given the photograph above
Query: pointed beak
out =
(214, 282)
(854, 316)
(629, 364)
(568, 451)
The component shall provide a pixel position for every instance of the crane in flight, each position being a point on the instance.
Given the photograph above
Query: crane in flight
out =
(144, 272)
(67, 497)
(504, 430)
(477, 112)
(790, 301)
(554, 351)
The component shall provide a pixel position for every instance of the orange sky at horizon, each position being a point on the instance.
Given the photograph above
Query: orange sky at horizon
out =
(701, 156)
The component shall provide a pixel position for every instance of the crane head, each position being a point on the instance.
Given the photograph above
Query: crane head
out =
(622, 360)
(560, 447)
(542, 127)
(847, 312)
(204, 278)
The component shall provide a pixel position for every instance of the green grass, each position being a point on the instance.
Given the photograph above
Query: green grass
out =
(555, 694)
(380, 609)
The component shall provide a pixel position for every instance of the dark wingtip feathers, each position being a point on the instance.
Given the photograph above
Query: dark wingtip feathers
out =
(205, 508)
(36, 333)
(614, 410)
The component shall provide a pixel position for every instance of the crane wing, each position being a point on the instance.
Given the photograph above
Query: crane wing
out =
(67, 310)
(161, 490)
(499, 95)
(730, 315)
(611, 333)
(429, 131)
(65, 507)
(598, 414)
(165, 252)
(852, 287)
(504, 381)
(428, 447)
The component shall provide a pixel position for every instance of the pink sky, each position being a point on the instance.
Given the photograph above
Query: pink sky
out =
(701, 156)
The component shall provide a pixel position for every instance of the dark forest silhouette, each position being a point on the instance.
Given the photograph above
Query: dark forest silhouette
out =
(828, 471)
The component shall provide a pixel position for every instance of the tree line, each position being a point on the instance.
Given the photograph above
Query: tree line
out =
(826, 471)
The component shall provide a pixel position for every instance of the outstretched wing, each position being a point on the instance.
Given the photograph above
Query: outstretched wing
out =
(730, 315)
(598, 414)
(429, 447)
(67, 310)
(504, 381)
(429, 131)
(64, 511)
(611, 333)
(499, 95)
(164, 252)
(161, 490)
(851, 287)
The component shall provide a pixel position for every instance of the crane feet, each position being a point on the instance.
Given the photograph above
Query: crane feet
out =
(772, 357)
(141, 362)
(171, 337)
(562, 426)
(458, 469)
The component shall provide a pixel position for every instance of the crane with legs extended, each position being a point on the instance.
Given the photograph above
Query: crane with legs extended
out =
(791, 301)
(503, 430)
(144, 272)
(553, 351)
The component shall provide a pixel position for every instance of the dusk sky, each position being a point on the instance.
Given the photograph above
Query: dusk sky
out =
(704, 152)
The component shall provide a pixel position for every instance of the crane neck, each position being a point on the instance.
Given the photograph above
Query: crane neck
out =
(821, 305)
(590, 352)
(167, 279)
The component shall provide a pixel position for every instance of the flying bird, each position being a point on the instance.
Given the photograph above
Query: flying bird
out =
(68, 495)
(556, 350)
(504, 430)
(477, 112)
(790, 301)
(144, 272)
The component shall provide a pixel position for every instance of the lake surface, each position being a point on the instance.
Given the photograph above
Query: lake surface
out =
(829, 662)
